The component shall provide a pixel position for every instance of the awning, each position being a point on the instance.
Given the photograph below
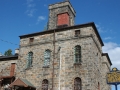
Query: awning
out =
(22, 82)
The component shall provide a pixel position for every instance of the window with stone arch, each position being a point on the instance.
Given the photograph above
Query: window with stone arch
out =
(77, 54)
(29, 59)
(47, 55)
(45, 84)
(77, 84)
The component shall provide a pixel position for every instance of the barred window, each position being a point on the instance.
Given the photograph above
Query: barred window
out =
(45, 84)
(77, 54)
(77, 84)
(47, 57)
(29, 60)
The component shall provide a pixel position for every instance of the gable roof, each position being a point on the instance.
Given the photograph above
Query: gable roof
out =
(63, 29)
(22, 82)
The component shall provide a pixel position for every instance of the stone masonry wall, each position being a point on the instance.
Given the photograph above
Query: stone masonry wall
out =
(90, 70)
(5, 67)
(55, 10)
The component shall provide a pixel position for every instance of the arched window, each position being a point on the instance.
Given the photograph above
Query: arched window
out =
(47, 57)
(45, 84)
(77, 84)
(29, 60)
(77, 54)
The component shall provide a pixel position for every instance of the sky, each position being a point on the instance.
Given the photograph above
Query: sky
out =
(19, 17)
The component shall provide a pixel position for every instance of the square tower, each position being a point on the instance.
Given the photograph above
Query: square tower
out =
(61, 14)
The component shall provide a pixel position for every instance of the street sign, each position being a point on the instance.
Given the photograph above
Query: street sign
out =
(113, 77)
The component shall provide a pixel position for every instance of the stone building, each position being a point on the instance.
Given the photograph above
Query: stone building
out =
(64, 57)
(7, 70)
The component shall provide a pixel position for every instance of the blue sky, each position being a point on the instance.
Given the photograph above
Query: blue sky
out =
(18, 17)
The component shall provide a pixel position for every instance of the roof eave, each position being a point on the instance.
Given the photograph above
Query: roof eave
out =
(65, 28)
(13, 57)
(106, 54)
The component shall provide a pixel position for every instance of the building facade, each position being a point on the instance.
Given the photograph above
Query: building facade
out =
(7, 70)
(64, 57)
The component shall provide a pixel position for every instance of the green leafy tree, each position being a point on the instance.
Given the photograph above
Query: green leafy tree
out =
(8, 52)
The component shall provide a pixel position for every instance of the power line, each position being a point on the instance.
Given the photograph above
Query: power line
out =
(7, 42)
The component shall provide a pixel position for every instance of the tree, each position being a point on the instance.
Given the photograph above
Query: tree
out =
(8, 52)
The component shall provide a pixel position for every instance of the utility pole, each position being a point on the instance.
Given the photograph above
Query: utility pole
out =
(53, 59)
(1, 78)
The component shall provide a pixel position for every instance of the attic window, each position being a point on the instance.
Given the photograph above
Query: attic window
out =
(77, 33)
(31, 40)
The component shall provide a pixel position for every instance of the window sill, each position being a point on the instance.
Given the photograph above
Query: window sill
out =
(45, 66)
(76, 36)
(77, 63)
(28, 68)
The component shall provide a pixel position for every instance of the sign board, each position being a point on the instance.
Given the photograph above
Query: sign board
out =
(113, 77)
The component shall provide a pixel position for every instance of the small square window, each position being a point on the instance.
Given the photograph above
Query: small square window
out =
(77, 33)
(31, 40)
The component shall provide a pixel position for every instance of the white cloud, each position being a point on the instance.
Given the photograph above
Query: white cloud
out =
(45, 5)
(100, 29)
(31, 5)
(30, 8)
(108, 38)
(113, 49)
(40, 18)
(29, 1)
(30, 12)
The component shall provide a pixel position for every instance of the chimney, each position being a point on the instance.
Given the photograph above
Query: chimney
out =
(12, 70)
(16, 51)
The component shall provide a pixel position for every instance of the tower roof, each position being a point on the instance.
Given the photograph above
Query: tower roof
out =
(62, 4)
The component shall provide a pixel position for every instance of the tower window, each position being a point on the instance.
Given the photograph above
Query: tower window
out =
(63, 19)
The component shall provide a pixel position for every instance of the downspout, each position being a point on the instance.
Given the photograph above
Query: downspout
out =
(53, 59)
(59, 70)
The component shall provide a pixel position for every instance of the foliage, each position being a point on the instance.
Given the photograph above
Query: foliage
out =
(8, 52)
